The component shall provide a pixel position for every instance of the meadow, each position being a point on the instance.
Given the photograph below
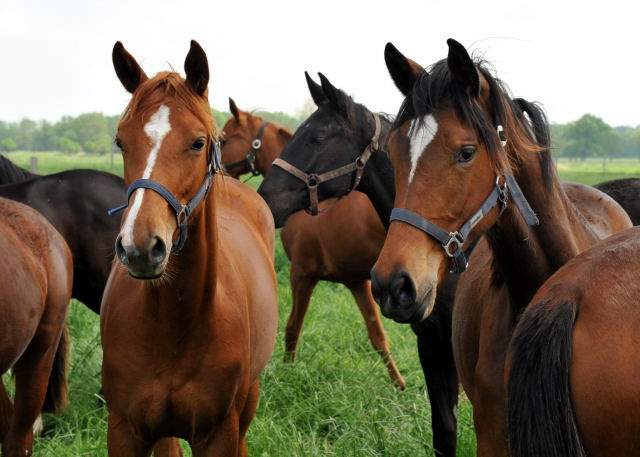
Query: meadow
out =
(335, 400)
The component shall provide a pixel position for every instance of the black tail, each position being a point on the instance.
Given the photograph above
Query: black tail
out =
(541, 421)
(56, 398)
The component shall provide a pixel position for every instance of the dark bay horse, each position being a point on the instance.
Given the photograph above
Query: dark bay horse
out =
(187, 324)
(460, 139)
(626, 192)
(336, 134)
(36, 274)
(75, 202)
(573, 388)
(340, 245)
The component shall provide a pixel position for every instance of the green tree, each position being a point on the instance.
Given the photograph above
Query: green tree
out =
(589, 136)
(8, 145)
(68, 145)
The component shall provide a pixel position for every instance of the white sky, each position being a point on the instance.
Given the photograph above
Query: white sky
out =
(575, 57)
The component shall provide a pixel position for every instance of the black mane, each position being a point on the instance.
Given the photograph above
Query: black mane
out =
(10, 172)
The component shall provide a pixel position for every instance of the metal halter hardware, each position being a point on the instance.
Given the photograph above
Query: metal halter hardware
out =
(250, 158)
(313, 180)
(498, 196)
(182, 212)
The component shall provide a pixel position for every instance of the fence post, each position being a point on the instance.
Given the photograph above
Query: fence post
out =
(34, 164)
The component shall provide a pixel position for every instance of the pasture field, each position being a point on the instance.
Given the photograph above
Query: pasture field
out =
(335, 400)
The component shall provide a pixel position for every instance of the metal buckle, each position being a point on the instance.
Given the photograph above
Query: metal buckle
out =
(256, 144)
(502, 192)
(454, 237)
(501, 135)
(182, 215)
(359, 163)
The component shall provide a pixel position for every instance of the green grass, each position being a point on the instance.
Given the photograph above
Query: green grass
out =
(335, 400)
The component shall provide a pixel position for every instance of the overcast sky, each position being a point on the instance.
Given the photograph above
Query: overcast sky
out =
(574, 57)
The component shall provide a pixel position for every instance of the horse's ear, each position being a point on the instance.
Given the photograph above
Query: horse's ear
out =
(129, 72)
(462, 68)
(403, 70)
(196, 67)
(233, 108)
(317, 94)
(336, 97)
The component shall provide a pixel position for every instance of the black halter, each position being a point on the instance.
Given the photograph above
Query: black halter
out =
(452, 241)
(250, 159)
(181, 211)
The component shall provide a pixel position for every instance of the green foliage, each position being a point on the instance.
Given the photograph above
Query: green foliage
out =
(8, 145)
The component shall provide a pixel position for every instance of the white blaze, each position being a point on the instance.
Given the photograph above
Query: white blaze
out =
(421, 133)
(156, 129)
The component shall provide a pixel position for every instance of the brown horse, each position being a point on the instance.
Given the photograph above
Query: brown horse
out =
(459, 137)
(36, 274)
(573, 386)
(185, 336)
(340, 245)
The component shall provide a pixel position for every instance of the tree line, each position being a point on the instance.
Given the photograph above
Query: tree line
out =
(93, 133)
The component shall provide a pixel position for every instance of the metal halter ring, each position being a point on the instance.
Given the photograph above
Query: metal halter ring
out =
(256, 143)
(313, 180)
(454, 238)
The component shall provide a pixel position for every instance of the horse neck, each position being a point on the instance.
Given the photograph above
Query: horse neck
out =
(525, 257)
(377, 180)
(271, 149)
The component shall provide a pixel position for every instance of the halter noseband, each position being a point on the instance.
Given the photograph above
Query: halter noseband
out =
(313, 180)
(452, 241)
(182, 212)
(250, 158)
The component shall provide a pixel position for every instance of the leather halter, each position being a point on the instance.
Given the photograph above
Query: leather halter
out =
(313, 180)
(182, 212)
(250, 158)
(452, 241)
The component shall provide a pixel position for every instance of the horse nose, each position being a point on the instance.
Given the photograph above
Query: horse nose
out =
(396, 296)
(142, 263)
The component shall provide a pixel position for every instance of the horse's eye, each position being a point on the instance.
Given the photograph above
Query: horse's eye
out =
(117, 142)
(198, 144)
(317, 139)
(465, 154)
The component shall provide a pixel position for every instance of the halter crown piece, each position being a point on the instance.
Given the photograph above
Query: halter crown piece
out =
(313, 180)
(181, 211)
(452, 241)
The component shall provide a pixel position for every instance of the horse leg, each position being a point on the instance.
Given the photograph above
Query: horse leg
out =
(301, 288)
(122, 441)
(167, 447)
(361, 291)
(6, 411)
(223, 441)
(32, 372)
(436, 358)
(247, 416)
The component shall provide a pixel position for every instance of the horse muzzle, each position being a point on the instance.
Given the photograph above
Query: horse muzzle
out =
(399, 299)
(149, 262)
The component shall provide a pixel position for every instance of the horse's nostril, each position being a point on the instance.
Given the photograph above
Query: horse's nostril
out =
(120, 252)
(403, 290)
(158, 250)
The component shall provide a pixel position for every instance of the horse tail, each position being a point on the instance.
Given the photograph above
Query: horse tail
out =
(540, 417)
(55, 399)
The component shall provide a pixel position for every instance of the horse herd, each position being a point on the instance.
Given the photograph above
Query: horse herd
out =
(537, 318)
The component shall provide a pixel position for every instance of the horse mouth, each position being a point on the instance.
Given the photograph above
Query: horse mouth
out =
(417, 313)
(145, 277)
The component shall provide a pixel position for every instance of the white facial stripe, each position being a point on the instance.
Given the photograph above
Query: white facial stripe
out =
(421, 133)
(156, 129)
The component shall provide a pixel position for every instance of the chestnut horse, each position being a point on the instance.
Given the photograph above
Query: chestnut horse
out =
(36, 274)
(460, 139)
(573, 388)
(336, 135)
(185, 336)
(340, 245)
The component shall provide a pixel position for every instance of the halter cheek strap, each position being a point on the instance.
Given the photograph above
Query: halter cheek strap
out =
(452, 241)
(313, 180)
(182, 212)
(250, 159)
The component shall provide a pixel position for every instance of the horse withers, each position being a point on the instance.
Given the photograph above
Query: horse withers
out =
(36, 275)
(187, 324)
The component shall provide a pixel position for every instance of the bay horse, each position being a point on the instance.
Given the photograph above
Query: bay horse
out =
(339, 245)
(75, 202)
(462, 140)
(36, 276)
(187, 324)
(336, 135)
(573, 359)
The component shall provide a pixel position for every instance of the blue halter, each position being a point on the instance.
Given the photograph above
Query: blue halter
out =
(181, 211)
